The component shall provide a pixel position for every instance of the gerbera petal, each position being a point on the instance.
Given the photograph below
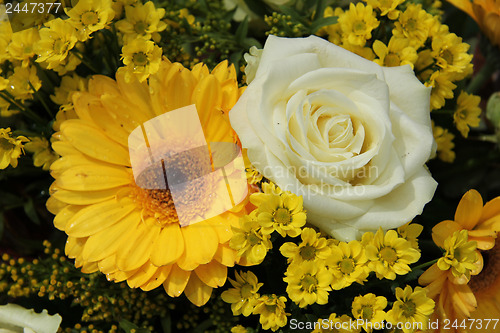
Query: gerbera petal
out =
(443, 230)
(197, 292)
(169, 246)
(491, 209)
(225, 255)
(54, 206)
(176, 282)
(62, 218)
(212, 274)
(136, 250)
(93, 178)
(157, 279)
(108, 265)
(89, 267)
(94, 143)
(143, 274)
(200, 245)
(95, 218)
(74, 246)
(84, 197)
(105, 242)
(469, 210)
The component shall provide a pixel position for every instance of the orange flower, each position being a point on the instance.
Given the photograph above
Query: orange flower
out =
(486, 13)
(458, 297)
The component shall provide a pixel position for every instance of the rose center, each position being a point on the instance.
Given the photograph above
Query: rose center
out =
(308, 252)
(389, 255)
(346, 266)
(282, 216)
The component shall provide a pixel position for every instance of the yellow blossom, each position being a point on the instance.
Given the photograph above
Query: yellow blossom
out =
(389, 254)
(308, 283)
(252, 245)
(386, 7)
(89, 16)
(411, 306)
(396, 53)
(442, 88)
(272, 312)
(357, 23)
(411, 231)
(56, 40)
(5, 37)
(444, 141)
(370, 309)
(334, 324)
(141, 58)
(238, 329)
(63, 95)
(21, 46)
(450, 53)
(269, 190)
(10, 148)
(243, 297)
(22, 82)
(460, 255)
(43, 156)
(347, 264)
(467, 113)
(282, 213)
(414, 24)
(142, 21)
(312, 248)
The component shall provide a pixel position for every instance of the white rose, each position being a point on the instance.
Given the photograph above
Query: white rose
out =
(350, 136)
(16, 319)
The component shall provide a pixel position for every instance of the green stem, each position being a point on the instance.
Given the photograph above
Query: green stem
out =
(25, 111)
(481, 77)
(426, 264)
(44, 104)
(85, 62)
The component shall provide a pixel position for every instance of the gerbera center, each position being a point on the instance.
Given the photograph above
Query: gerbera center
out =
(409, 309)
(346, 266)
(389, 255)
(282, 216)
(307, 252)
(90, 18)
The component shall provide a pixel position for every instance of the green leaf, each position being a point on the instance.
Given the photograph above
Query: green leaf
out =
(166, 323)
(9, 199)
(320, 9)
(296, 16)
(29, 209)
(241, 32)
(127, 326)
(322, 22)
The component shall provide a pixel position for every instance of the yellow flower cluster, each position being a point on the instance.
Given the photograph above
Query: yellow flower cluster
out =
(11, 148)
(417, 38)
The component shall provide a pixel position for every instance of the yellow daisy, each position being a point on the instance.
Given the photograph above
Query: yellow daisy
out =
(243, 297)
(312, 248)
(56, 40)
(396, 53)
(142, 21)
(414, 24)
(412, 309)
(389, 254)
(88, 16)
(357, 23)
(442, 88)
(370, 309)
(444, 141)
(272, 312)
(386, 7)
(308, 283)
(21, 46)
(10, 148)
(22, 82)
(334, 324)
(467, 113)
(43, 156)
(252, 245)
(450, 53)
(126, 231)
(411, 231)
(347, 264)
(141, 58)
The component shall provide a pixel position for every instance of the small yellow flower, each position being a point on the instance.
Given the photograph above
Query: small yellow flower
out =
(22, 82)
(312, 248)
(243, 297)
(239, 329)
(5, 39)
(450, 53)
(347, 264)
(444, 141)
(10, 148)
(370, 309)
(43, 156)
(414, 24)
(396, 53)
(252, 175)
(467, 113)
(142, 21)
(357, 23)
(334, 324)
(442, 88)
(141, 58)
(21, 46)
(460, 255)
(411, 231)
(3, 82)
(269, 190)
(56, 40)
(386, 7)
(89, 16)
(389, 254)
(252, 245)
(308, 283)
(282, 213)
(272, 312)
(411, 307)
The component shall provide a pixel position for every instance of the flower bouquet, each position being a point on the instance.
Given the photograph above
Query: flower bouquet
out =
(249, 165)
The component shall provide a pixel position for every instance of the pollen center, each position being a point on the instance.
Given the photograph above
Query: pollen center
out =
(308, 283)
(388, 254)
(90, 18)
(409, 309)
(282, 216)
(140, 59)
(308, 252)
(347, 266)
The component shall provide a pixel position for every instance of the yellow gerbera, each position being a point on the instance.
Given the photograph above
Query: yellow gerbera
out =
(130, 232)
